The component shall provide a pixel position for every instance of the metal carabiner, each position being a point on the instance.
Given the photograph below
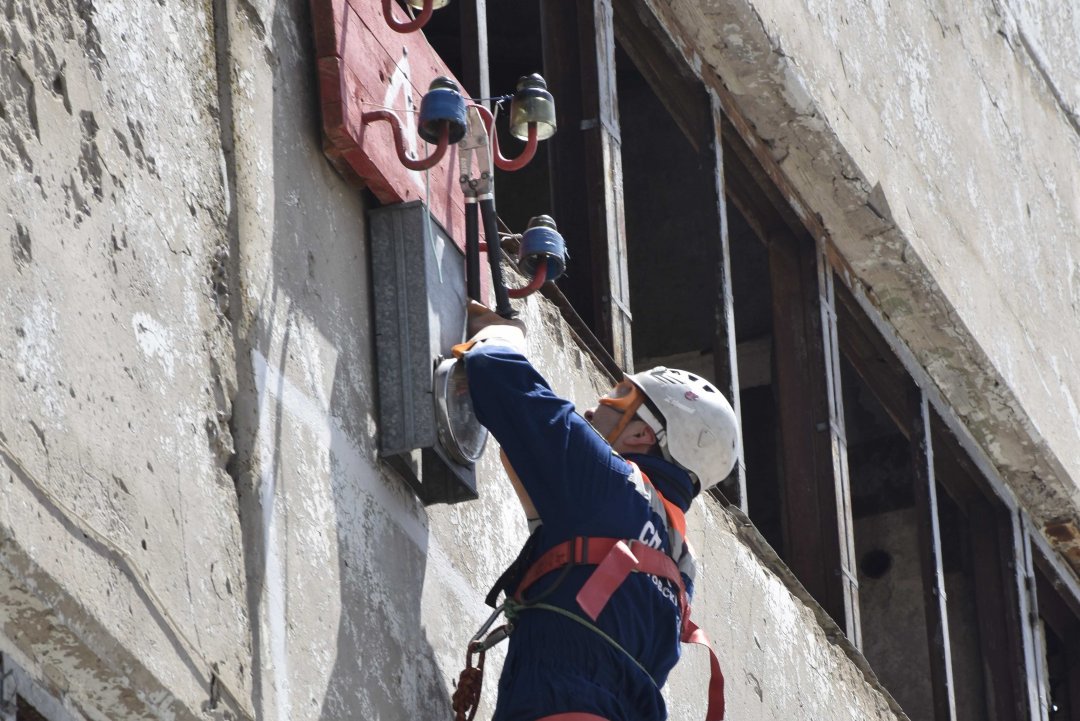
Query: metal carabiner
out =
(487, 624)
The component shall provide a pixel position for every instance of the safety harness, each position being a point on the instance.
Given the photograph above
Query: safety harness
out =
(615, 559)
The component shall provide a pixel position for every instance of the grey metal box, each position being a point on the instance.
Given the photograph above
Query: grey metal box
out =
(419, 288)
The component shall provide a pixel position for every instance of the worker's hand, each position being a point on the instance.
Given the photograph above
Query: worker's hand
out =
(480, 317)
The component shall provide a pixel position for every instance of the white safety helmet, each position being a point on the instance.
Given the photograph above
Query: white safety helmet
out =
(697, 431)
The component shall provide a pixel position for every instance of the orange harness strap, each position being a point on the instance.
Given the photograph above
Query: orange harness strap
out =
(615, 560)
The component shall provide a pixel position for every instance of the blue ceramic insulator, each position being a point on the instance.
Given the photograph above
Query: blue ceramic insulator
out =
(442, 102)
(542, 241)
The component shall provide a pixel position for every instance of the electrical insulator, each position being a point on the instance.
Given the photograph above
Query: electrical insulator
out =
(442, 103)
(532, 103)
(541, 241)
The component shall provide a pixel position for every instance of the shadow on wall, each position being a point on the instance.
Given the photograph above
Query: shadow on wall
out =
(335, 547)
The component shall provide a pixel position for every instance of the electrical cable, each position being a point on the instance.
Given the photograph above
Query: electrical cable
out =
(428, 220)
(494, 98)
(368, 103)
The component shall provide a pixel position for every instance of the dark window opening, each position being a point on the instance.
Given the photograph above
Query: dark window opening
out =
(575, 162)
(24, 711)
(672, 230)
(515, 50)
(796, 484)
(981, 585)
(752, 294)
(966, 643)
(673, 213)
(1059, 644)
(892, 605)
(898, 496)
(445, 33)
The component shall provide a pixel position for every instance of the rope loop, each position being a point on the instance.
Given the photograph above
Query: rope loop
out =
(466, 699)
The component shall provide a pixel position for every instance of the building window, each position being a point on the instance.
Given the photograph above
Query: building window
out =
(1057, 643)
(22, 699)
(940, 575)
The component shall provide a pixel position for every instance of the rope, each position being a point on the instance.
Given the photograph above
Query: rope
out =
(515, 608)
(466, 698)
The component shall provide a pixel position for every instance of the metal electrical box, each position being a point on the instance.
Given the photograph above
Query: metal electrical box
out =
(419, 286)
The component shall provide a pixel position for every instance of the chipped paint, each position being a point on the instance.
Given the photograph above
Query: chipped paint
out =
(195, 371)
(155, 341)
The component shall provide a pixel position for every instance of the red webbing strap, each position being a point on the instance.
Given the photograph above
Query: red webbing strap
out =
(715, 709)
(577, 551)
(622, 559)
(595, 593)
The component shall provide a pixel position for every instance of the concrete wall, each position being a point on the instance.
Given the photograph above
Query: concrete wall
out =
(939, 143)
(117, 361)
(194, 522)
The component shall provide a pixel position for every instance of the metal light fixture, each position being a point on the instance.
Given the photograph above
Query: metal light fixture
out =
(459, 431)
(532, 103)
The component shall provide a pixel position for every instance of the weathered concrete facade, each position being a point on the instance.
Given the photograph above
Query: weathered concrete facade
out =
(194, 521)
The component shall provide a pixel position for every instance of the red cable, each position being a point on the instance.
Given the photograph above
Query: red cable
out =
(412, 25)
(534, 285)
(508, 164)
(399, 141)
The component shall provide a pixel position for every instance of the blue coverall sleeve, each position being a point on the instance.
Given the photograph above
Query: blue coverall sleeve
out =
(564, 465)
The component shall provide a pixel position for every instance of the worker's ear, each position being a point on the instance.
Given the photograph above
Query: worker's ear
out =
(639, 437)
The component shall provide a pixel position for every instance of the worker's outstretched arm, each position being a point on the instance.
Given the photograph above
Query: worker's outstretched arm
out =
(564, 466)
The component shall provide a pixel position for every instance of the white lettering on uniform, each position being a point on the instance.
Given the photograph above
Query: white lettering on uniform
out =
(649, 536)
(665, 589)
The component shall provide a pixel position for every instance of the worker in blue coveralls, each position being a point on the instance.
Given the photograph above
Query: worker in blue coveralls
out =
(586, 645)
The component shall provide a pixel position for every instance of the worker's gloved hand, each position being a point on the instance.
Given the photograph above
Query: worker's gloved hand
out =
(487, 326)
(480, 317)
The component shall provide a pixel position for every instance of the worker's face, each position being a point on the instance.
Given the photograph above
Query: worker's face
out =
(605, 417)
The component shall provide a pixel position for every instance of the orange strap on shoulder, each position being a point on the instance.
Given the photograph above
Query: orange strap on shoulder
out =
(675, 515)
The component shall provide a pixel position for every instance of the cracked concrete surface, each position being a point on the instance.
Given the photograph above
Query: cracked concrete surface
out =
(116, 366)
(194, 521)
